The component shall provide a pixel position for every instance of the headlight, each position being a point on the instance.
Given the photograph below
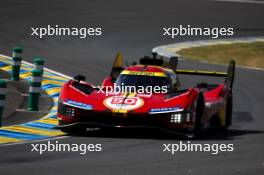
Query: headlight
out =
(180, 117)
(188, 117)
(176, 118)
(66, 110)
(69, 111)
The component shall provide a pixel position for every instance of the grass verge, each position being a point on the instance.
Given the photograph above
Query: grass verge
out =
(246, 54)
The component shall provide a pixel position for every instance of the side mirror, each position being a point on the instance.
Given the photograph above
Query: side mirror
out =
(154, 55)
(79, 78)
(134, 63)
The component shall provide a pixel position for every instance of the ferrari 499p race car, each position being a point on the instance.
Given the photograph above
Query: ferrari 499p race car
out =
(184, 111)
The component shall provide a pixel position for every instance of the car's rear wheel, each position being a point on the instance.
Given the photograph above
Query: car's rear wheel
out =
(200, 107)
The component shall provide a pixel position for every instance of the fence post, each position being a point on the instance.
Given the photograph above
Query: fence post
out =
(17, 58)
(39, 64)
(34, 90)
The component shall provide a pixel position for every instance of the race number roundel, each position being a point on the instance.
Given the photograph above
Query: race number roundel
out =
(123, 103)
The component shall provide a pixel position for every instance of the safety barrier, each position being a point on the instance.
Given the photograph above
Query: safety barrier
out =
(42, 80)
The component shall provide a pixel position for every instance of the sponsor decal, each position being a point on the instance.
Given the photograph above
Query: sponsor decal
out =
(79, 105)
(117, 103)
(144, 95)
(157, 74)
(165, 110)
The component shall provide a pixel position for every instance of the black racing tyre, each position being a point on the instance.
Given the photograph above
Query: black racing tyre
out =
(73, 130)
(200, 107)
(215, 122)
(66, 130)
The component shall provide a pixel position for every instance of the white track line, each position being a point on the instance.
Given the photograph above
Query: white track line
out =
(242, 1)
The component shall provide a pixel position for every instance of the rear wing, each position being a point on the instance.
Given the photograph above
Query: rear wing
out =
(202, 73)
(229, 75)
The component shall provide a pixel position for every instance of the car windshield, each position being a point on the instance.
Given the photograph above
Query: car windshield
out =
(142, 81)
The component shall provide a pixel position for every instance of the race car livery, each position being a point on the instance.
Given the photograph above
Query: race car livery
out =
(156, 100)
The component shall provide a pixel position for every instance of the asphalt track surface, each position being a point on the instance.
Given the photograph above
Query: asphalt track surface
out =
(134, 27)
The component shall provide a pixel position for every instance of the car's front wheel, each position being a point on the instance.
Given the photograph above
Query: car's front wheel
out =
(73, 130)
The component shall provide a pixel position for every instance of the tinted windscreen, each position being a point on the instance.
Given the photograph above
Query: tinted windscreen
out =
(139, 80)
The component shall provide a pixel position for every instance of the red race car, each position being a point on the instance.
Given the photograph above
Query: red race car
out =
(154, 99)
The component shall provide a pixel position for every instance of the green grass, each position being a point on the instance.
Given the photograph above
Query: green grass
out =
(245, 54)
